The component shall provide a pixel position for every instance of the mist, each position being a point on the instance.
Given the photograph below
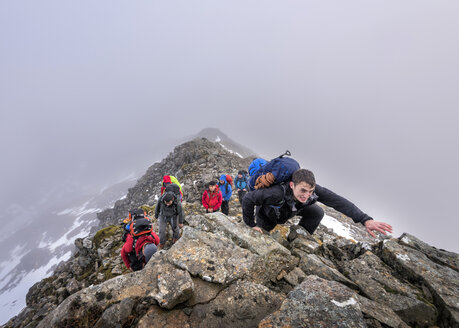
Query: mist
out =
(362, 93)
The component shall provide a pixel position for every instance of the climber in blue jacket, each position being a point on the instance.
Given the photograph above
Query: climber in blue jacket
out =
(227, 192)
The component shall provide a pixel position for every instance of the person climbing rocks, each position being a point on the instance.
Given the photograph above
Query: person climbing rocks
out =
(280, 202)
(227, 192)
(169, 211)
(140, 245)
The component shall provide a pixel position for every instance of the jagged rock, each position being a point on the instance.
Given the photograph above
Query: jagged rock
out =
(317, 303)
(211, 257)
(73, 286)
(377, 282)
(175, 286)
(223, 273)
(158, 317)
(117, 270)
(378, 313)
(243, 304)
(203, 292)
(436, 255)
(272, 257)
(312, 264)
(116, 315)
(302, 246)
(295, 277)
(86, 306)
(442, 281)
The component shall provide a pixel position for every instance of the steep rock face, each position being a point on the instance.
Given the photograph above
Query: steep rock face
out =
(219, 275)
(222, 273)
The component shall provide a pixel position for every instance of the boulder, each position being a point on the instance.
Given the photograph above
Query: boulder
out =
(416, 266)
(377, 281)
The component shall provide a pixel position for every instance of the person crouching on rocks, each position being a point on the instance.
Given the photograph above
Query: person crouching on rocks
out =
(169, 210)
(137, 251)
(212, 198)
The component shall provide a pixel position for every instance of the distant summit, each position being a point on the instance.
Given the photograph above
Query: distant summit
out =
(215, 135)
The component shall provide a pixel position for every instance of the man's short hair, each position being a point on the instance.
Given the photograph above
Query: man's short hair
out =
(303, 175)
(212, 183)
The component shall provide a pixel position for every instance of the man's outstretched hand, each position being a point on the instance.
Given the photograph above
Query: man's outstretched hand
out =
(382, 227)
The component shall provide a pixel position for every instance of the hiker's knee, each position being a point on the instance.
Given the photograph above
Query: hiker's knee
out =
(311, 217)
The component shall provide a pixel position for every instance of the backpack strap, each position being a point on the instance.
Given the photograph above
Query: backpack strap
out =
(281, 203)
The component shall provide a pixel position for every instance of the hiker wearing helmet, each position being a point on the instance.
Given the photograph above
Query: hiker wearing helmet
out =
(280, 202)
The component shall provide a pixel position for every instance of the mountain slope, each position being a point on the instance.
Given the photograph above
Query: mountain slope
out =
(222, 273)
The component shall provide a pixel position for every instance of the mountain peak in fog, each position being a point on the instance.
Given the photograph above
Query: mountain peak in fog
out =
(216, 135)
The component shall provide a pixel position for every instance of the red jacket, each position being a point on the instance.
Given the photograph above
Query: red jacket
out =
(212, 200)
(127, 247)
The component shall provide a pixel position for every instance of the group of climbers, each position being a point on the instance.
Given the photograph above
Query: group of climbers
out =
(276, 191)
(140, 240)
(217, 194)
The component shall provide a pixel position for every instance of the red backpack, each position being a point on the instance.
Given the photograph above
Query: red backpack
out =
(229, 179)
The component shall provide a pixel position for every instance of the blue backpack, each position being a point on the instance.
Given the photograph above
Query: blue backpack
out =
(281, 167)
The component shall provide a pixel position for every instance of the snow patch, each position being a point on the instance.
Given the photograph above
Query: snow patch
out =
(218, 139)
(13, 300)
(350, 301)
(406, 240)
(231, 151)
(16, 254)
(403, 257)
(337, 227)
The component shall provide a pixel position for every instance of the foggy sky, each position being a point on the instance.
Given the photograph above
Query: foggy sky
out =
(365, 94)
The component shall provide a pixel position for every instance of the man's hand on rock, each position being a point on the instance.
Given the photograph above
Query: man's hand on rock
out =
(382, 227)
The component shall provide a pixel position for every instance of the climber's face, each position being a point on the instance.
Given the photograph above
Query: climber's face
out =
(302, 191)
(212, 188)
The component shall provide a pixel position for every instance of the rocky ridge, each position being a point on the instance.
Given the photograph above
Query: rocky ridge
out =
(223, 274)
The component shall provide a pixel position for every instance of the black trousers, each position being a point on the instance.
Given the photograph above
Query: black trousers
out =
(311, 216)
(225, 207)
(241, 194)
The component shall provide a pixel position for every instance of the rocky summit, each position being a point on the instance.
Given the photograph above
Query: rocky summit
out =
(221, 273)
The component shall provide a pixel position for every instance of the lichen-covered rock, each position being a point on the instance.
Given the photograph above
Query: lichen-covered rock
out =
(271, 257)
(378, 313)
(295, 277)
(442, 281)
(116, 315)
(222, 273)
(175, 286)
(449, 259)
(243, 304)
(211, 257)
(377, 282)
(317, 302)
(312, 264)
